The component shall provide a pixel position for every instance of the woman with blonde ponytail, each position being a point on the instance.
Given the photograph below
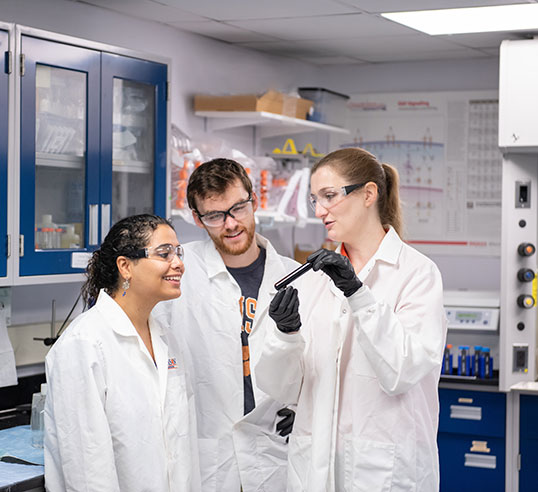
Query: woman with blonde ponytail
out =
(363, 362)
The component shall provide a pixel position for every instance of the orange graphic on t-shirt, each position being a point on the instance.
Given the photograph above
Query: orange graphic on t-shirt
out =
(247, 306)
(246, 361)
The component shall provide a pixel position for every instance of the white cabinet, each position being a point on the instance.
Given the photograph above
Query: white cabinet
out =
(518, 96)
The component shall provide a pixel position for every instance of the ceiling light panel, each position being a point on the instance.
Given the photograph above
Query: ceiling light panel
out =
(470, 20)
(378, 6)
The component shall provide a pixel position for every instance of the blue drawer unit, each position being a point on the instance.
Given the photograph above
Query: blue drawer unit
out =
(4, 48)
(465, 470)
(471, 440)
(472, 412)
(528, 442)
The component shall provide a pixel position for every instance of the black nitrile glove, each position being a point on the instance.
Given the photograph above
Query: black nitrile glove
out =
(285, 426)
(284, 310)
(338, 268)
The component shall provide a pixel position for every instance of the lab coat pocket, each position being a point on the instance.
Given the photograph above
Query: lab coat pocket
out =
(368, 465)
(300, 451)
(209, 453)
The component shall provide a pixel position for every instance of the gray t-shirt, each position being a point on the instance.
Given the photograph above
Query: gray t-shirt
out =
(249, 279)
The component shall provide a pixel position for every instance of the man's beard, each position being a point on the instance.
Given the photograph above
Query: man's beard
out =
(235, 249)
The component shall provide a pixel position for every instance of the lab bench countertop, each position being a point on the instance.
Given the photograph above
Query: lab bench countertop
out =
(16, 442)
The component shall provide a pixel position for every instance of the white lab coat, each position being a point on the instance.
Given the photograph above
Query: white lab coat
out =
(363, 372)
(113, 420)
(235, 450)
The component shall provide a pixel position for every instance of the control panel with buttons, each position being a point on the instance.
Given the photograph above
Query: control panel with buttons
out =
(472, 318)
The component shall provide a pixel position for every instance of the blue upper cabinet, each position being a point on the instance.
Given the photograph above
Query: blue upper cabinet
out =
(133, 138)
(3, 150)
(59, 155)
(92, 150)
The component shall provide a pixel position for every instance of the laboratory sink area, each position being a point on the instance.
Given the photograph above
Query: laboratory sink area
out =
(21, 448)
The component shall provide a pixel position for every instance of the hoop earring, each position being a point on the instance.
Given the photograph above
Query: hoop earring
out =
(125, 286)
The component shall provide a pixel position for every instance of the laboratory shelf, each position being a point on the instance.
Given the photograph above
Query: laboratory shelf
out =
(473, 380)
(59, 160)
(270, 124)
(136, 167)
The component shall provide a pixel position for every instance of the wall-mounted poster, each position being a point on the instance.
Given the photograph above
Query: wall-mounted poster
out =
(444, 145)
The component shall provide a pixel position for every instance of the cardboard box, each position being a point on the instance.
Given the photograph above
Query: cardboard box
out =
(271, 102)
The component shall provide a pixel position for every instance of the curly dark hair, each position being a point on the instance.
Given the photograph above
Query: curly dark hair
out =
(125, 238)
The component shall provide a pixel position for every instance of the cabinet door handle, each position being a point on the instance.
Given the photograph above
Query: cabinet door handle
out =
(94, 225)
(105, 220)
(480, 461)
(465, 400)
(465, 413)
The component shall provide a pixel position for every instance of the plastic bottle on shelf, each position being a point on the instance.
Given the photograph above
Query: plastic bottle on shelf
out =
(46, 232)
(70, 239)
(37, 418)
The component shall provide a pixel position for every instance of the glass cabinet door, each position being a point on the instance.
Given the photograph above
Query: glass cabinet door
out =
(4, 48)
(133, 138)
(59, 156)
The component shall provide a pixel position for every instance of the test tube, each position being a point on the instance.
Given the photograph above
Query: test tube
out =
(463, 361)
(288, 279)
(446, 368)
(475, 370)
(488, 363)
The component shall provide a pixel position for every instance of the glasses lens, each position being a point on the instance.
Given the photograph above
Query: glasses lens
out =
(214, 219)
(179, 251)
(240, 210)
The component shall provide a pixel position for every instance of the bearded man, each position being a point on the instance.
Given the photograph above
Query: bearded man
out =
(222, 317)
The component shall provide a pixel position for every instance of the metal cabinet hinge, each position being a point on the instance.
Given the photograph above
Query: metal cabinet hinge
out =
(21, 245)
(8, 67)
(518, 462)
(8, 246)
(21, 59)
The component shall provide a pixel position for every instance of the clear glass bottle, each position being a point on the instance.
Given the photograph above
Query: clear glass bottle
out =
(37, 419)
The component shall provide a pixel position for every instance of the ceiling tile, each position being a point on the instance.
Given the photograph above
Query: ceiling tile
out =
(406, 56)
(324, 27)
(252, 9)
(147, 9)
(331, 60)
(297, 49)
(220, 31)
(377, 6)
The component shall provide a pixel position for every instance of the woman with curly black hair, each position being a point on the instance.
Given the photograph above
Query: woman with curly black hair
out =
(120, 412)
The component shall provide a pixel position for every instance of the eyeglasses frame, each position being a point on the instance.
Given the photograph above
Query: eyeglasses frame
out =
(250, 199)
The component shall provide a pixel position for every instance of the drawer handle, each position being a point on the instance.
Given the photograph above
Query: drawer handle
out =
(465, 413)
(465, 400)
(480, 461)
(480, 447)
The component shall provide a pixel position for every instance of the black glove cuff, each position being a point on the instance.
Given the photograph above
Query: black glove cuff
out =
(349, 292)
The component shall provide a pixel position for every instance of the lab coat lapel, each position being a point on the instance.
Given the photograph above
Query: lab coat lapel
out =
(160, 349)
(273, 271)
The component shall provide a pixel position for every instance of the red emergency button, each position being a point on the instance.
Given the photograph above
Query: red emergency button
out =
(526, 249)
